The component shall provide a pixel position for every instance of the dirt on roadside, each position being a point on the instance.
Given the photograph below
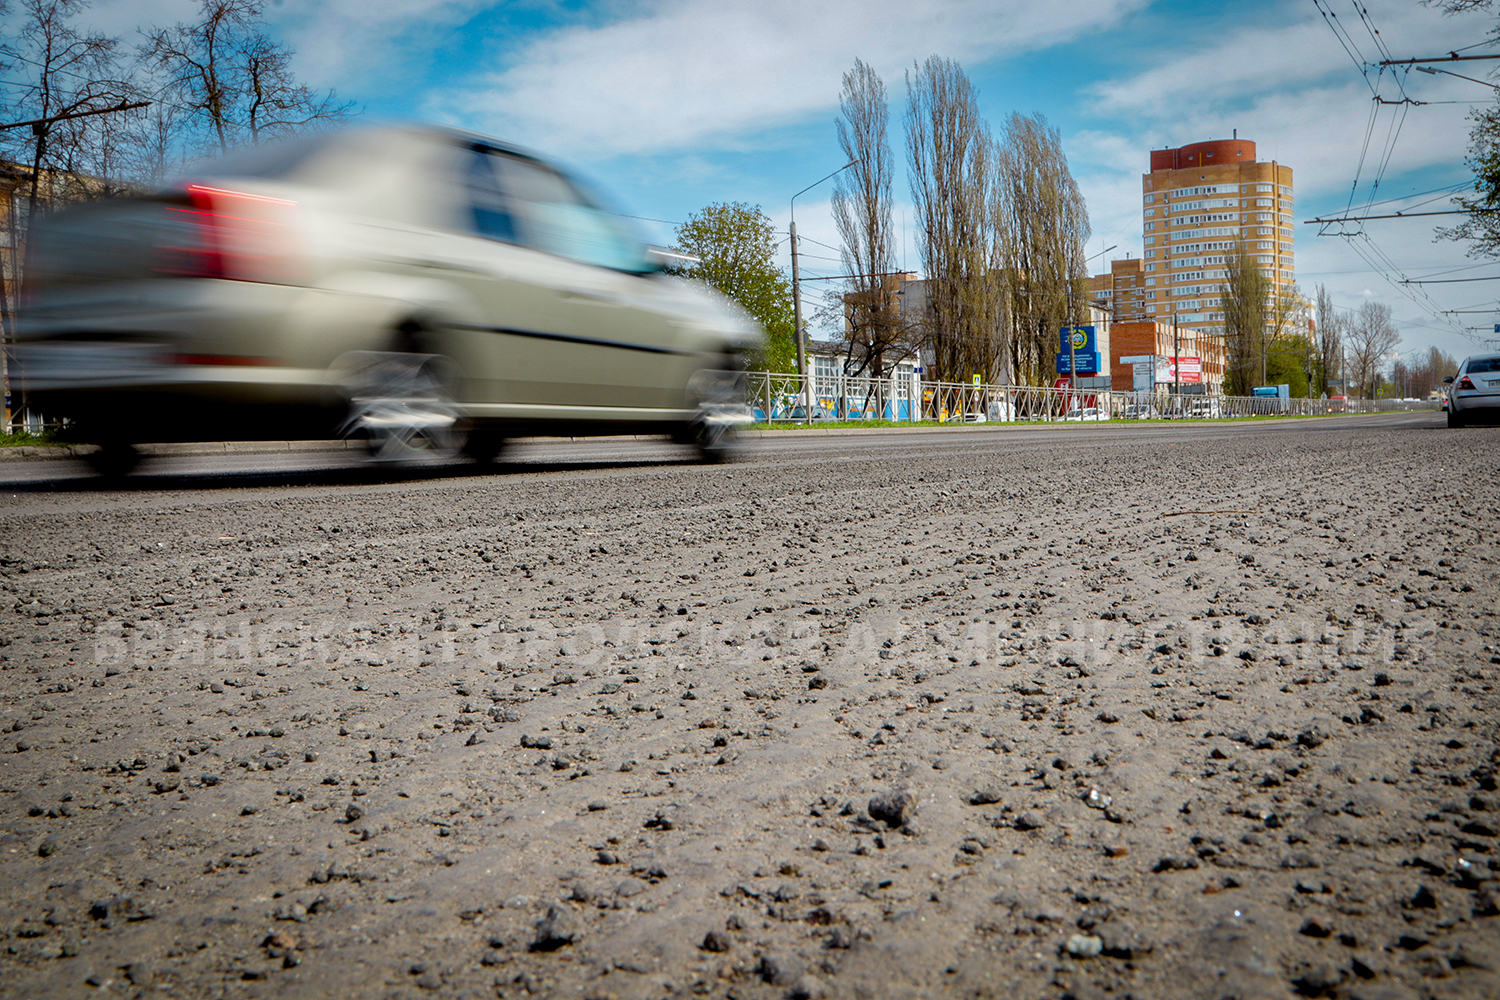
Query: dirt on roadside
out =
(1087, 721)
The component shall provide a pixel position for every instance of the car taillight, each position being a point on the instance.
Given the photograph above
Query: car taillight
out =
(228, 234)
(1464, 383)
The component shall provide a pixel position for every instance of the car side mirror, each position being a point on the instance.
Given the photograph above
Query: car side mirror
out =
(1448, 380)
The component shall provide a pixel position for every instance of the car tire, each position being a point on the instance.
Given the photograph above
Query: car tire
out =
(716, 442)
(1454, 420)
(113, 459)
(484, 446)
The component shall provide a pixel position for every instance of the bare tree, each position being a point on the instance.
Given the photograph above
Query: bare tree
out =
(948, 167)
(68, 73)
(1371, 336)
(1042, 228)
(877, 336)
(235, 80)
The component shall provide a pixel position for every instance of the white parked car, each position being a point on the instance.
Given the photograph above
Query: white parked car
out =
(1001, 411)
(422, 289)
(1088, 413)
(1474, 390)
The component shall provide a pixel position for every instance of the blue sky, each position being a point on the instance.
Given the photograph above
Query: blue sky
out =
(673, 104)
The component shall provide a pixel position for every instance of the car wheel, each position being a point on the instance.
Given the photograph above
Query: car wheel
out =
(721, 407)
(1454, 420)
(114, 459)
(401, 406)
(484, 447)
(715, 440)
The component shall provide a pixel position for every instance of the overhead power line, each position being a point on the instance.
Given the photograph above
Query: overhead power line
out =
(1450, 57)
(1482, 83)
(1394, 215)
(1445, 281)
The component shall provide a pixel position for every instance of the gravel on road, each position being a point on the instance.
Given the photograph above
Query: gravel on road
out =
(1089, 712)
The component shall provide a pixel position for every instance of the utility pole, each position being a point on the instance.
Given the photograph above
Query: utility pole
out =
(1176, 361)
(797, 327)
(1073, 372)
(807, 397)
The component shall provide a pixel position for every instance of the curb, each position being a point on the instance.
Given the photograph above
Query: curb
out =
(183, 449)
(200, 448)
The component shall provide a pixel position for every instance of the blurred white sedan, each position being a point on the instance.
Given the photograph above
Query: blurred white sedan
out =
(1088, 413)
(421, 289)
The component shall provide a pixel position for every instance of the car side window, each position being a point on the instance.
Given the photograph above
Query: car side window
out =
(552, 215)
(488, 203)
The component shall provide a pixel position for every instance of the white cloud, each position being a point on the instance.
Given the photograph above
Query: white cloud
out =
(683, 72)
(369, 42)
(121, 18)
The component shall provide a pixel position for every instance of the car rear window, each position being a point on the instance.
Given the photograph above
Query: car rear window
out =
(1483, 365)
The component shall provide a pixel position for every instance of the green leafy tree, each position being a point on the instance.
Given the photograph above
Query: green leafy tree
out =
(735, 247)
(1482, 222)
(1482, 225)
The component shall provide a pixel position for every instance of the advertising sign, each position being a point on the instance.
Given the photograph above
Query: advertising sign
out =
(1088, 362)
(1188, 369)
(1077, 338)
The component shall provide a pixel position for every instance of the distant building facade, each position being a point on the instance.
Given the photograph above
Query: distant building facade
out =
(1188, 359)
(1197, 202)
(1121, 292)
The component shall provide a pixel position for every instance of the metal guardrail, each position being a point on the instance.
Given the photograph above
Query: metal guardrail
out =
(777, 398)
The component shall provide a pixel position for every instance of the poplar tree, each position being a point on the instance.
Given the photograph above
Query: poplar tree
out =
(877, 336)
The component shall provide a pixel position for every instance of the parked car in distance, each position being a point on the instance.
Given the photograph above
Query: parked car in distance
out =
(1474, 390)
(1205, 409)
(1088, 413)
(1134, 411)
(421, 289)
(1001, 411)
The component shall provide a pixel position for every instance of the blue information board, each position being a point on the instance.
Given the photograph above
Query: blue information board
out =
(1083, 339)
(1088, 362)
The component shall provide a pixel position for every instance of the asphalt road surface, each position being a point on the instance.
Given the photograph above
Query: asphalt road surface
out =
(1109, 710)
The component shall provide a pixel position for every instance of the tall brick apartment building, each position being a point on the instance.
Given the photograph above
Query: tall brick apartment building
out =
(1197, 201)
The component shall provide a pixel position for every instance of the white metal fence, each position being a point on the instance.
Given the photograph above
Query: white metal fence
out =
(776, 398)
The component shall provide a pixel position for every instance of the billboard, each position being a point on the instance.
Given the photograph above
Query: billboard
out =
(1187, 369)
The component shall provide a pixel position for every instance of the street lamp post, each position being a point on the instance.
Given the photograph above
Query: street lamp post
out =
(797, 299)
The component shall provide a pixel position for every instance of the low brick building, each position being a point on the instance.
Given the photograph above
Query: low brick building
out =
(1148, 337)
